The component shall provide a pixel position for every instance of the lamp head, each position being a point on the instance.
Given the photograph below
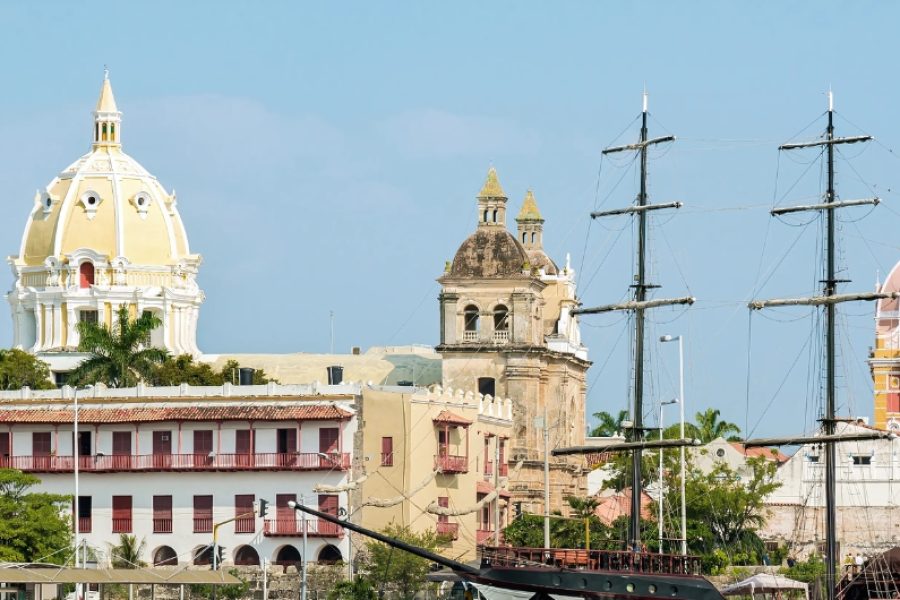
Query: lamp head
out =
(669, 338)
(292, 504)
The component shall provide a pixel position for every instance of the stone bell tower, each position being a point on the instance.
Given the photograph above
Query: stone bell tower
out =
(506, 330)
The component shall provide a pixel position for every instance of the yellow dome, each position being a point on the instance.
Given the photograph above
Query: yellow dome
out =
(106, 202)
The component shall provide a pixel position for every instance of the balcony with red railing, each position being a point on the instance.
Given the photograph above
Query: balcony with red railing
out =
(486, 535)
(245, 525)
(293, 527)
(445, 528)
(488, 468)
(100, 463)
(203, 524)
(84, 524)
(162, 525)
(121, 525)
(451, 463)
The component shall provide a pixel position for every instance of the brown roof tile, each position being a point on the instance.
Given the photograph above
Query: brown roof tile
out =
(445, 416)
(193, 413)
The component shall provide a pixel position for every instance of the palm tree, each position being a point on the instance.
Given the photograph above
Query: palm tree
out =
(121, 355)
(127, 553)
(709, 427)
(609, 425)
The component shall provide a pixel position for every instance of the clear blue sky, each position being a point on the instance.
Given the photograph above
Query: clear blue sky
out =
(327, 155)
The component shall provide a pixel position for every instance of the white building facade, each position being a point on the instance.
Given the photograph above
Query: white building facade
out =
(167, 464)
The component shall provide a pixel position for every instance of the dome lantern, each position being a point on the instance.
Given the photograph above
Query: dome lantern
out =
(107, 118)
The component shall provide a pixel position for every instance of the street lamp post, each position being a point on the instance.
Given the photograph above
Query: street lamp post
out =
(662, 405)
(293, 505)
(680, 339)
(75, 457)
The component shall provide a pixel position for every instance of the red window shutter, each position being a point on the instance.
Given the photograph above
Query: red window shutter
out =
(4, 445)
(86, 273)
(162, 514)
(203, 514)
(292, 440)
(243, 441)
(41, 443)
(328, 503)
(387, 452)
(243, 505)
(162, 442)
(121, 516)
(122, 443)
(203, 441)
(328, 440)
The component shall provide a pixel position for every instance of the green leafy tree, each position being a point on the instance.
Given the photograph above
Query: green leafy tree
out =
(569, 532)
(119, 355)
(32, 525)
(19, 368)
(806, 571)
(724, 512)
(358, 589)
(397, 570)
(127, 554)
(608, 424)
(183, 369)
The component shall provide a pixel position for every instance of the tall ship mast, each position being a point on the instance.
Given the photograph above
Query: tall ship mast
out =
(638, 305)
(828, 301)
(506, 572)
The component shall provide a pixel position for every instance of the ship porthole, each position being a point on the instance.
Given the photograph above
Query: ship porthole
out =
(583, 583)
(674, 590)
(629, 587)
(608, 584)
(652, 589)
(557, 580)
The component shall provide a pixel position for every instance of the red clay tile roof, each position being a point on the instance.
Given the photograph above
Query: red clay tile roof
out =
(619, 504)
(483, 487)
(193, 413)
(767, 453)
(445, 416)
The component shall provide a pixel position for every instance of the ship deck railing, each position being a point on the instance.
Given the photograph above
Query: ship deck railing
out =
(590, 560)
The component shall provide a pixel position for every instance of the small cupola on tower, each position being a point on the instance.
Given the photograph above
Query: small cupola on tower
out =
(491, 202)
(107, 118)
(530, 224)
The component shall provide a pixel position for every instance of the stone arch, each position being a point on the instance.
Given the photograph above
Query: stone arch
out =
(330, 554)
(246, 556)
(288, 556)
(501, 318)
(165, 556)
(471, 314)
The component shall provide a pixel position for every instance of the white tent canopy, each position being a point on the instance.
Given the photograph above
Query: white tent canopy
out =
(764, 583)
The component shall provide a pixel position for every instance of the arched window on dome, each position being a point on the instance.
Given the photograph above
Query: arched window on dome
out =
(104, 136)
(112, 132)
(533, 234)
(86, 274)
(501, 318)
(470, 318)
(495, 215)
(485, 219)
(524, 236)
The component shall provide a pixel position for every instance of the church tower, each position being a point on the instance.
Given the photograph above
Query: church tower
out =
(506, 331)
(102, 234)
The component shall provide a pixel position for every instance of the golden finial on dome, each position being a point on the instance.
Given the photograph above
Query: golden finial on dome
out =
(491, 188)
(529, 210)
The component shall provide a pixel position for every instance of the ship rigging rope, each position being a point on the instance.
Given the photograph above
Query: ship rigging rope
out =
(446, 511)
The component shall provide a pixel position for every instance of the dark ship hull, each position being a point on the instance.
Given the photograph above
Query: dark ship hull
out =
(542, 573)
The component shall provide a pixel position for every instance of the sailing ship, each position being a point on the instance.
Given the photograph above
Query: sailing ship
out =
(632, 572)
(828, 301)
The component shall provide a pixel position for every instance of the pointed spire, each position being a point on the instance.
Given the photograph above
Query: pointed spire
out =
(530, 211)
(491, 188)
(106, 102)
(107, 118)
